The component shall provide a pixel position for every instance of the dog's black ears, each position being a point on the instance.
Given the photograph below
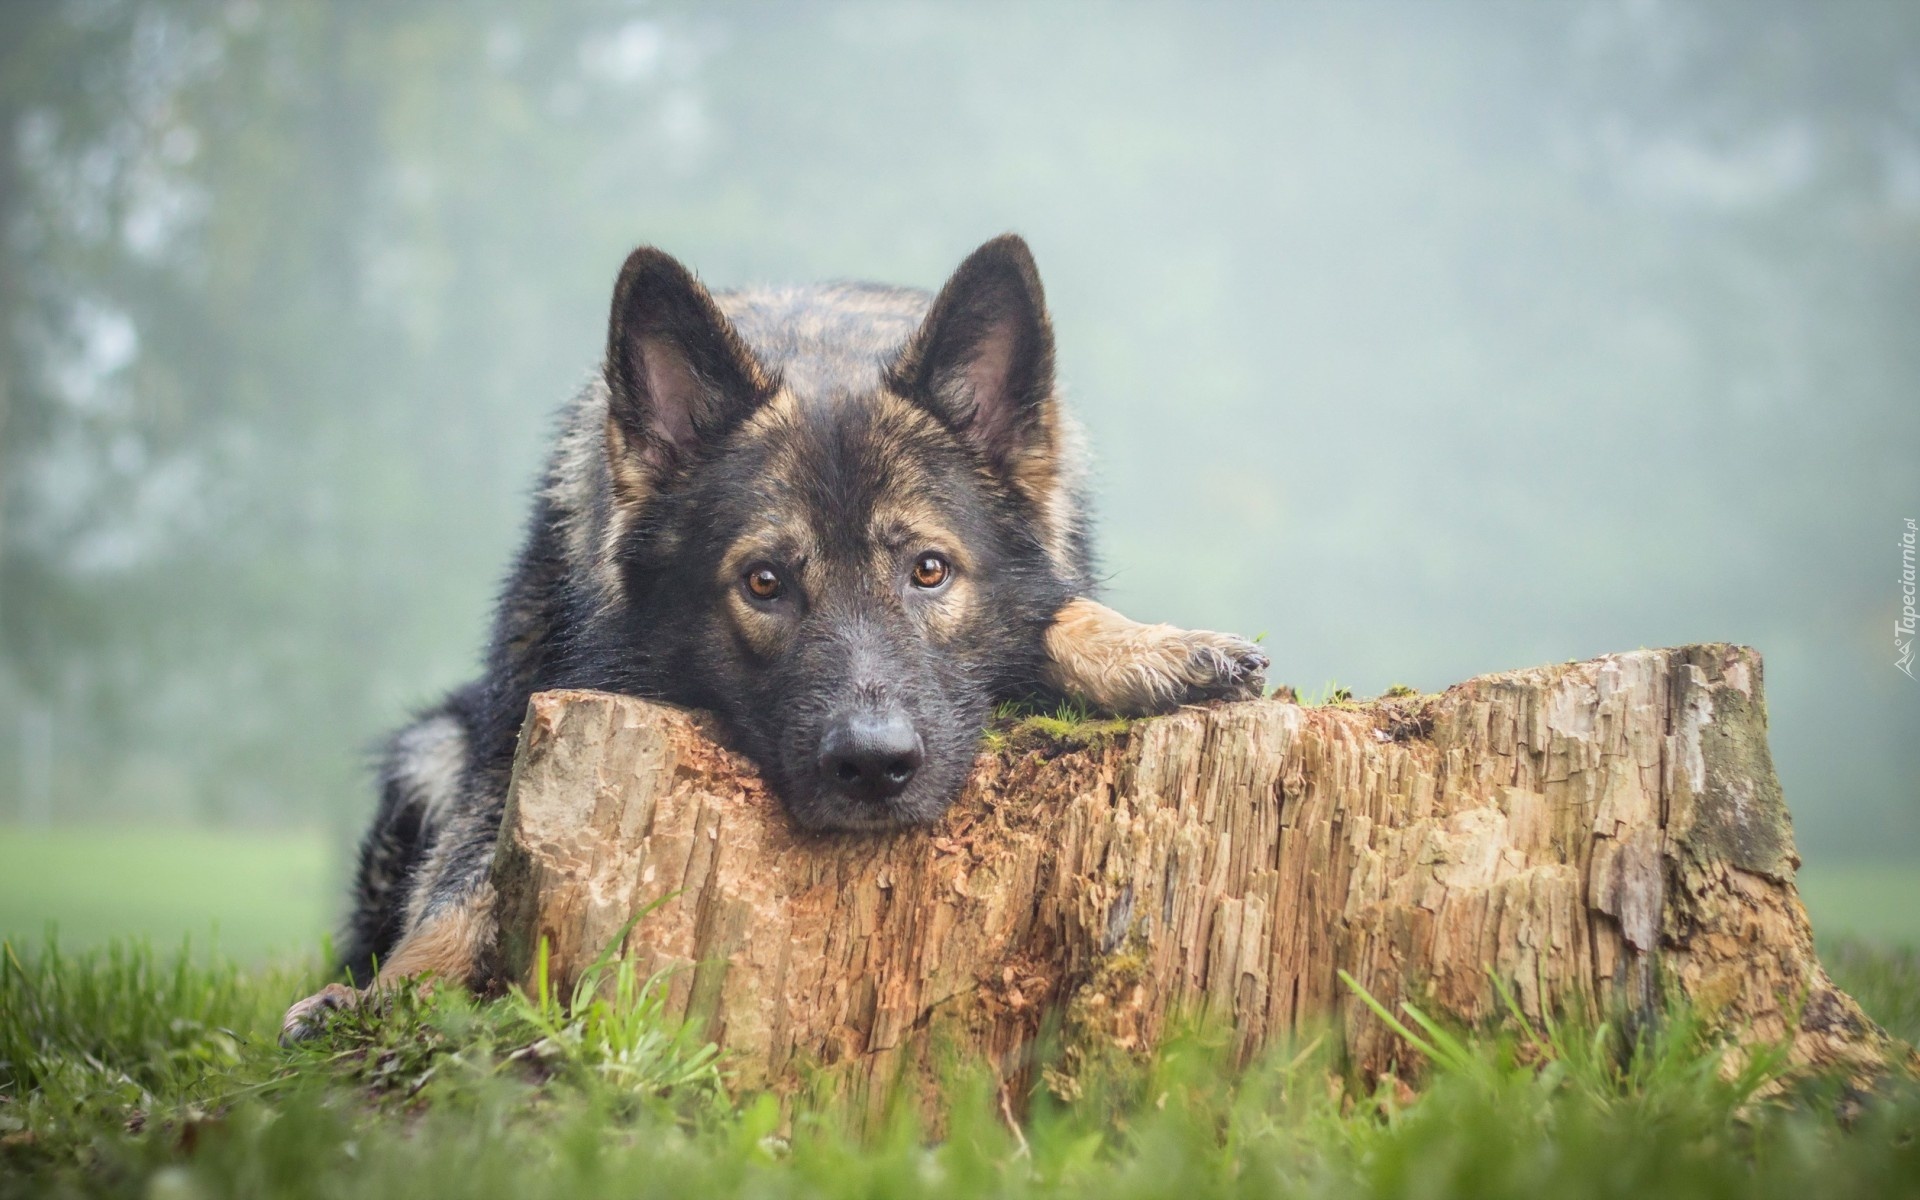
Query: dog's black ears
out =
(982, 360)
(678, 375)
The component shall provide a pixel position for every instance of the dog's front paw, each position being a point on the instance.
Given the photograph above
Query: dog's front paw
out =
(1222, 666)
(1120, 666)
(308, 1017)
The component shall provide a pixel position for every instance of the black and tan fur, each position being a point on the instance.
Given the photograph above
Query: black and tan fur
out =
(828, 438)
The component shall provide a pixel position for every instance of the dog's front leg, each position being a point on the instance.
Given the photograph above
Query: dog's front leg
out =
(445, 943)
(1122, 666)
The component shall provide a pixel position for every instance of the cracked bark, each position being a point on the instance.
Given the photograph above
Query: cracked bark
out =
(1604, 836)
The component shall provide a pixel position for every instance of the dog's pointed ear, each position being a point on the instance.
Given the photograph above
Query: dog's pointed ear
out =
(678, 375)
(982, 360)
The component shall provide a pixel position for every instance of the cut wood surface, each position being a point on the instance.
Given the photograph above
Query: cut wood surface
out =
(1603, 836)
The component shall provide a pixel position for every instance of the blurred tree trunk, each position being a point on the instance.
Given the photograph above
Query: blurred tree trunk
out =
(20, 26)
(1602, 837)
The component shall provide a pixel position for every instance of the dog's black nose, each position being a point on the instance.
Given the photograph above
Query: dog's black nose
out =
(870, 756)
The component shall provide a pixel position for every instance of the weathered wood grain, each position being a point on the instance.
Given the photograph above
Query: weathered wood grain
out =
(1602, 835)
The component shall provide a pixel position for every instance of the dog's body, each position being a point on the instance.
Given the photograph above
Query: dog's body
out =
(846, 519)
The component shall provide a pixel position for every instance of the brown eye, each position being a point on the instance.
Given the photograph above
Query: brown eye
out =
(763, 582)
(930, 571)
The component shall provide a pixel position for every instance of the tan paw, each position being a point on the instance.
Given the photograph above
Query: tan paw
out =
(1122, 666)
(1222, 666)
(308, 1017)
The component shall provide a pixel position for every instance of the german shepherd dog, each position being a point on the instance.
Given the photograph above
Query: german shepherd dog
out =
(846, 519)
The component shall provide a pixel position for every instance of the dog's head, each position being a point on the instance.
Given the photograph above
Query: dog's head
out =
(842, 550)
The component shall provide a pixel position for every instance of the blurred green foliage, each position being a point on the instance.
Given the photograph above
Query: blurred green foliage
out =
(250, 894)
(1435, 339)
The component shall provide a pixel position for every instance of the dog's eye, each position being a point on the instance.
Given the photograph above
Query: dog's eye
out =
(764, 583)
(930, 571)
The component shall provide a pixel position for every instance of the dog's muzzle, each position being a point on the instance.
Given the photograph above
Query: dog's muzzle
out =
(870, 757)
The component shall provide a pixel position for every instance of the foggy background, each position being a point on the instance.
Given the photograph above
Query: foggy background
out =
(1428, 340)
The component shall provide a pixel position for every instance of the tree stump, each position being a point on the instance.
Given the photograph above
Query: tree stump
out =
(1603, 836)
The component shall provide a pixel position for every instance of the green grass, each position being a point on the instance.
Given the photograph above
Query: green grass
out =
(129, 1073)
(252, 894)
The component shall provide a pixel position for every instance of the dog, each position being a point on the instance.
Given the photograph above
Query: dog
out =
(847, 519)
